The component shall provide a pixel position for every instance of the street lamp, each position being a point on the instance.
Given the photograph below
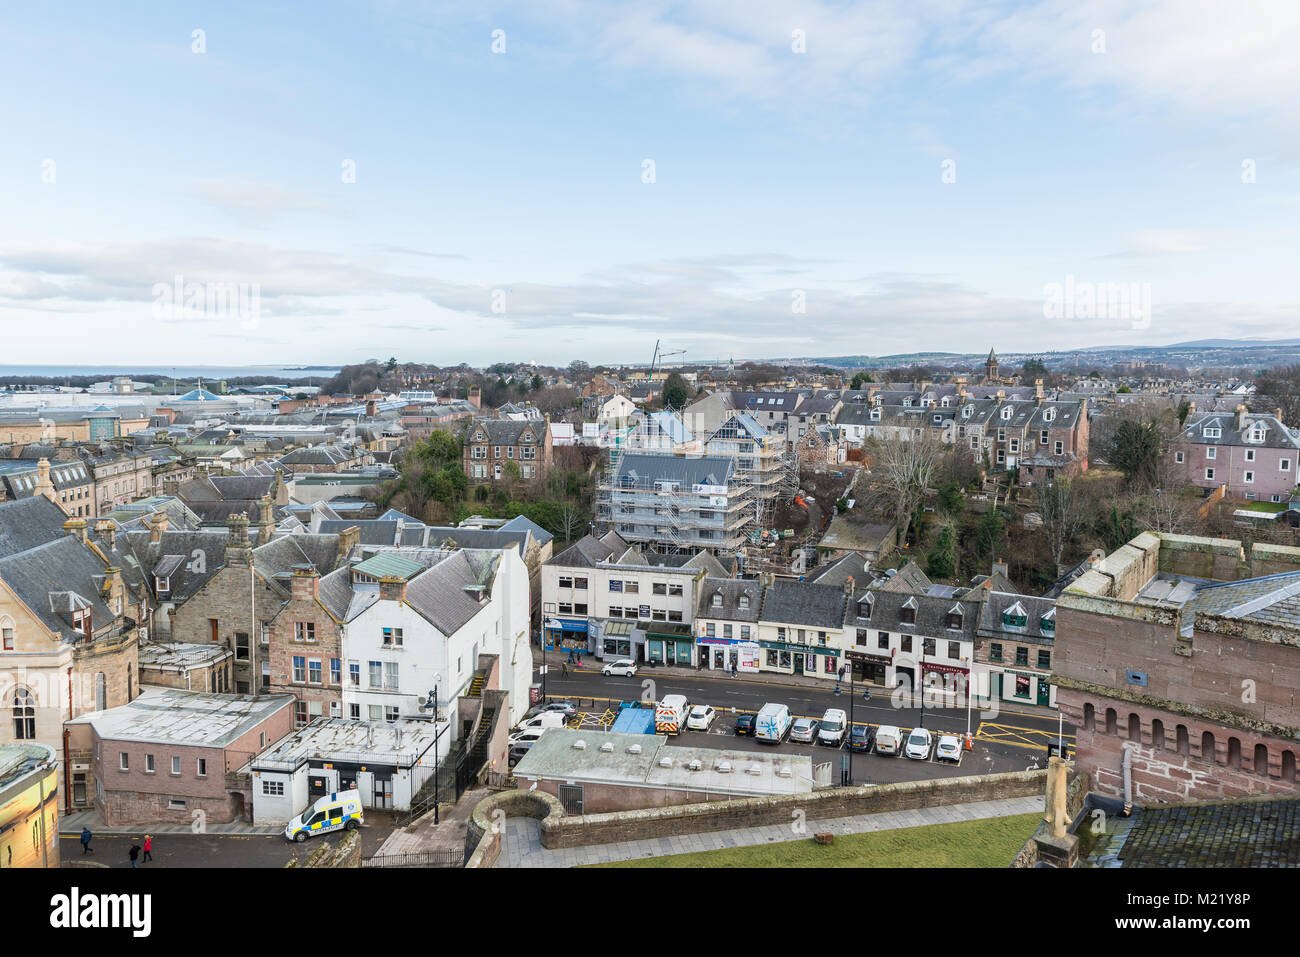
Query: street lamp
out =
(432, 700)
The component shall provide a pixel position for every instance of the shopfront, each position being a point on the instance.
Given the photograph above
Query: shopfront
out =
(614, 639)
(946, 680)
(565, 634)
(1027, 687)
(869, 668)
(795, 659)
(671, 645)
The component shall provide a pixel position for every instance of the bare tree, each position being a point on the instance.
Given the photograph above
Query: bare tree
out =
(1065, 514)
(904, 468)
(570, 520)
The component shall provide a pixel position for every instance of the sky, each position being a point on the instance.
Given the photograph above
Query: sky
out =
(251, 183)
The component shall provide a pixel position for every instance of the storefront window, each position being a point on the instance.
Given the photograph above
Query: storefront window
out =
(785, 659)
(771, 658)
(1022, 686)
(832, 665)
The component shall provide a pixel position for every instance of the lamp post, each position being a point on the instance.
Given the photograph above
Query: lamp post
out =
(432, 700)
(920, 681)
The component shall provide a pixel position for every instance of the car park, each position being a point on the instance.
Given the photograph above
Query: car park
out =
(919, 743)
(889, 740)
(804, 730)
(566, 708)
(700, 718)
(948, 749)
(624, 667)
(544, 719)
(834, 726)
(771, 723)
(861, 737)
(744, 725)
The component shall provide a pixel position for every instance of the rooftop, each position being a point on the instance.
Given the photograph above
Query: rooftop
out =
(402, 741)
(174, 716)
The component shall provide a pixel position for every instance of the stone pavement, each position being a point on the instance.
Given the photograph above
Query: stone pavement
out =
(522, 844)
(424, 835)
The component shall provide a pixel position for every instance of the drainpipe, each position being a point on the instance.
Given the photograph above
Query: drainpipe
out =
(1128, 778)
(67, 754)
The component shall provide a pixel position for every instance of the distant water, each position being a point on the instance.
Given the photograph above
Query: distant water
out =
(215, 373)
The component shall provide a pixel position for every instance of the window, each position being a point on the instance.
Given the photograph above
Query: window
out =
(354, 674)
(744, 601)
(631, 587)
(273, 788)
(175, 804)
(336, 671)
(1284, 465)
(954, 650)
(744, 632)
(354, 712)
(882, 639)
(675, 591)
(176, 764)
(717, 600)
(390, 675)
(392, 637)
(710, 630)
(1211, 453)
(566, 581)
(995, 651)
(148, 764)
(376, 712)
(202, 768)
(300, 714)
(659, 588)
(1178, 457)
(1059, 448)
(905, 643)
(1022, 657)
(677, 616)
(1043, 437)
(580, 583)
(1209, 474)
(299, 668)
(304, 631)
(8, 635)
(1249, 478)
(1045, 660)
(927, 646)
(1250, 455)
(390, 713)
(241, 646)
(313, 671)
(907, 614)
(376, 674)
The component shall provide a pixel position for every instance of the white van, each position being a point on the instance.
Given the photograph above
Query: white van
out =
(670, 714)
(333, 812)
(834, 726)
(772, 723)
(889, 739)
(541, 721)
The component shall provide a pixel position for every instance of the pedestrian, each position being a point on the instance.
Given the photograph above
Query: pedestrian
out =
(564, 669)
(134, 853)
(733, 669)
(148, 847)
(85, 841)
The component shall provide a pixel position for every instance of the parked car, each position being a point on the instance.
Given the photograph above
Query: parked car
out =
(566, 708)
(745, 725)
(543, 719)
(517, 752)
(700, 718)
(528, 735)
(771, 723)
(625, 667)
(332, 812)
(834, 725)
(919, 743)
(948, 749)
(804, 730)
(861, 737)
(889, 739)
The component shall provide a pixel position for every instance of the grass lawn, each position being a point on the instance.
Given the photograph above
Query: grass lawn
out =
(988, 843)
(1264, 507)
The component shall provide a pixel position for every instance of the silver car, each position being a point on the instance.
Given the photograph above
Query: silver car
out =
(804, 729)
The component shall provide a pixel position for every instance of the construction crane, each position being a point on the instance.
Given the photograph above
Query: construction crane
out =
(661, 355)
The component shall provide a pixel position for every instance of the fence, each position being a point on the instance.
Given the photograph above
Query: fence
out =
(441, 857)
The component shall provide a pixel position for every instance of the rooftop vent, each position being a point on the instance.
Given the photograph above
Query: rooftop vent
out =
(580, 745)
(754, 769)
(784, 771)
(607, 747)
(723, 767)
(665, 762)
(634, 749)
(696, 764)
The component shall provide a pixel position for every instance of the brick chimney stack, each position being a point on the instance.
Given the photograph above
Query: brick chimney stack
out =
(238, 549)
(43, 484)
(264, 512)
(157, 523)
(848, 586)
(1038, 391)
(476, 397)
(106, 531)
(305, 584)
(76, 526)
(392, 588)
(349, 539)
(1241, 417)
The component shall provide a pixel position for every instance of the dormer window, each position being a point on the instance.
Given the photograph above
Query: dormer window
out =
(744, 601)
(1212, 433)
(1015, 616)
(1006, 412)
(1049, 415)
(1257, 434)
(907, 614)
(81, 621)
(955, 617)
(875, 415)
(528, 436)
(1047, 624)
(864, 606)
(717, 600)
(967, 411)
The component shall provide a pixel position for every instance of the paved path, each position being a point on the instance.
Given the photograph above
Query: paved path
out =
(424, 835)
(522, 844)
(71, 824)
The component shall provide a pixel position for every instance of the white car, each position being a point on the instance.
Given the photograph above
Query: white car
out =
(527, 736)
(700, 718)
(834, 725)
(918, 745)
(948, 749)
(625, 667)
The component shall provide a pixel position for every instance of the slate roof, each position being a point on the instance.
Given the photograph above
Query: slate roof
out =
(439, 594)
(53, 578)
(1234, 834)
(29, 522)
(804, 603)
(506, 432)
(931, 615)
(139, 553)
(730, 590)
(1276, 436)
(522, 523)
(991, 624)
(589, 550)
(639, 467)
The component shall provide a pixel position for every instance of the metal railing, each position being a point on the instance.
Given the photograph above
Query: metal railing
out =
(439, 857)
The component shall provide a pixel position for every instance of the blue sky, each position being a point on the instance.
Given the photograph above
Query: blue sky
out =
(499, 209)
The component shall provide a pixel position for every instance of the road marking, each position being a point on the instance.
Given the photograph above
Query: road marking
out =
(1034, 738)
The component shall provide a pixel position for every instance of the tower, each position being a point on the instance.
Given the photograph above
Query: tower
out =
(991, 367)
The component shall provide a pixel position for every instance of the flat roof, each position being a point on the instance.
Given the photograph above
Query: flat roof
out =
(751, 774)
(400, 742)
(176, 716)
(181, 655)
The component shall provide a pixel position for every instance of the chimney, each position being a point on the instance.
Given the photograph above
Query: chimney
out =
(371, 408)
(1241, 417)
(106, 531)
(848, 587)
(238, 550)
(1277, 414)
(476, 397)
(157, 525)
(113, 585)
(1038, 391)
(264, 512)
(1000, 567)
(349, 539)
(305, 584)
(392, 588)
(76, 526)
(43, 484)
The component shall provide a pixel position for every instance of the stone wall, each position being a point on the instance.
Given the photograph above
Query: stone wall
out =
(485, 825)
(1076, 796)
(347, 853)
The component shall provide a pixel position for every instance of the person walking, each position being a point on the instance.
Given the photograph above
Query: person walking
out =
(134, 854)
(85, 841)
(564, 669)
(148, 847)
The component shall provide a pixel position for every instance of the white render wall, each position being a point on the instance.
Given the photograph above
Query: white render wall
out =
(598, 597)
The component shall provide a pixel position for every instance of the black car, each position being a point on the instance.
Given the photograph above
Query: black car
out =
(745, 724)
(861, 737)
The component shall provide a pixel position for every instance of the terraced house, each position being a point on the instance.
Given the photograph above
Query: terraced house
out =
(1255, 456)
(491, 444)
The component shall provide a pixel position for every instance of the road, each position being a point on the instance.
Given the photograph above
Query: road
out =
(218, 850)
(1005, 741)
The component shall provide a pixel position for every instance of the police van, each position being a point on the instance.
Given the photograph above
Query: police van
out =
(332, 812)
